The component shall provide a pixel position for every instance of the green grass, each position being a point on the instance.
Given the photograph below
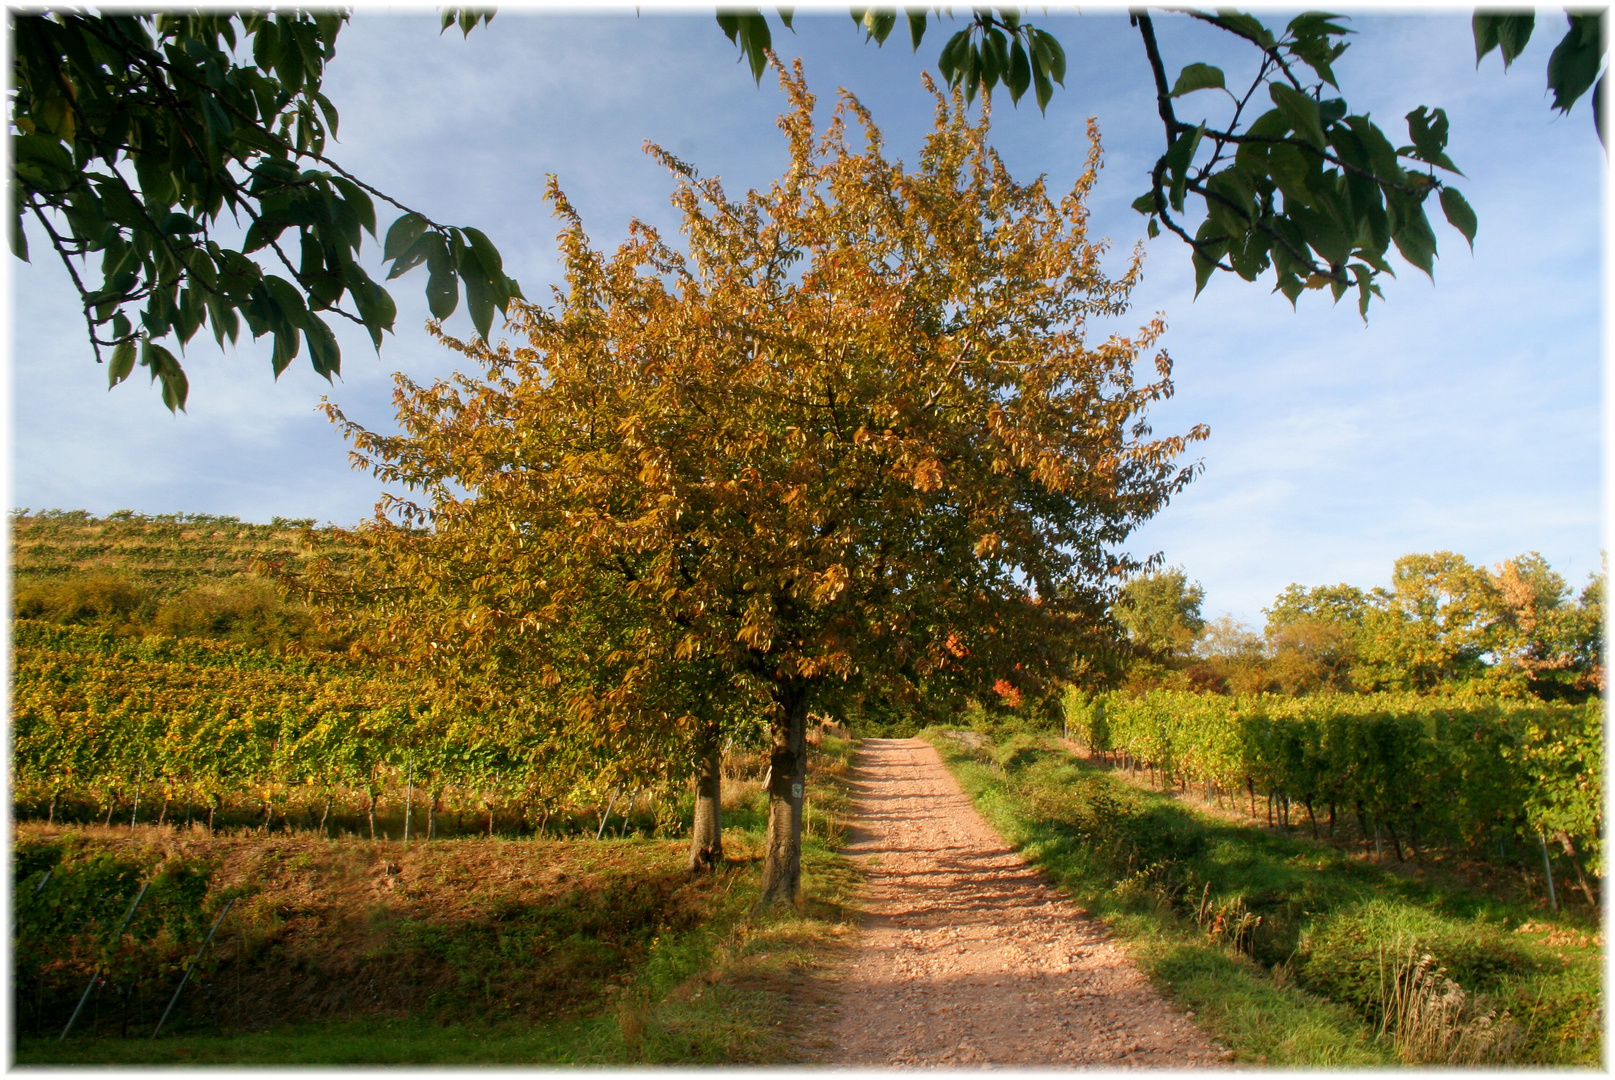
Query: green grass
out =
(1276, 942)
(638, 968)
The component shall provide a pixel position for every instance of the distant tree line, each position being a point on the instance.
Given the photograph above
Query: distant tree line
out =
(1517, 629)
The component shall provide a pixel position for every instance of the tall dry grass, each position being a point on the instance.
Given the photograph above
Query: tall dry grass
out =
(1430, 1020)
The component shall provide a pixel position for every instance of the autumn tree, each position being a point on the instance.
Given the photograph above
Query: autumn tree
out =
(1313, 636)
(1160, 611)
(854, 436)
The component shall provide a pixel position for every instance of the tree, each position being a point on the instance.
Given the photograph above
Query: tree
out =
(1434, 626)
(1545, 641)
(1161, 613)
(1230, 658)
(133, 133)
(1313, 635)
(853, 439)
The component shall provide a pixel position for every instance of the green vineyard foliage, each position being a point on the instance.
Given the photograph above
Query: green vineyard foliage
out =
(208, 724)
(1468, 773)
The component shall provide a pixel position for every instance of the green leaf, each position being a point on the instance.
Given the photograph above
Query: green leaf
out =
(951, 60)
(404, 232)
(1203, 269)
(442, 283)
(1509, 30)
(1019, 76)
(748, 28)
(285, 350)
(1145, 203)
(376, 308)
(1428, 130)
(323, 351)
(478, 296)
(1245, 26)
(1573, 67)
(487, 254)
(166, 369)
(786, 14)
(358, 201)
(1459, 214)
(1300, 111)
(878, 23)
(1056, 55)
(1178, 159)
(916, 26)
(1416, 241)
(415, 255)
(123, 362)
(1198, 77)
(1044, 88)
(1365, 284)
(1598, 114)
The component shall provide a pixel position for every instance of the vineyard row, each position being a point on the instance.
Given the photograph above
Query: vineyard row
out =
(1479, 775)
(195, 730)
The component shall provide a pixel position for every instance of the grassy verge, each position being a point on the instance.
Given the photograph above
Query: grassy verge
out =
(1289, 952)
(449, 952)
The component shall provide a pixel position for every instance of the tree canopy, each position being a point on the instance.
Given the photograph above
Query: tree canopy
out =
(855, 436)
(134, 133)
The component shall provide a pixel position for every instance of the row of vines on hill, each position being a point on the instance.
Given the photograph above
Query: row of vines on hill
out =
(1466, 773)
(104, 718)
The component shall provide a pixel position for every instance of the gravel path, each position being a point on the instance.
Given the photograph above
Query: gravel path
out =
(968, 957)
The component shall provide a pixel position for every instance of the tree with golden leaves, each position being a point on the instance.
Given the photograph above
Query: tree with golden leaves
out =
(855, 435)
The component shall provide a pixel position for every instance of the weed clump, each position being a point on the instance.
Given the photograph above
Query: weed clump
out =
(1431, 1020)
(1344, 956)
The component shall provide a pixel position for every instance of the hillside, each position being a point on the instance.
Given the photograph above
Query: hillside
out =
(165, 554)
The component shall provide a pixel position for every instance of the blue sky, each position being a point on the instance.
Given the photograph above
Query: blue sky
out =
(1465, 416)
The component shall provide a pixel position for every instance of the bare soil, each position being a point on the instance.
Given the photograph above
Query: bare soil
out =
(968, 957)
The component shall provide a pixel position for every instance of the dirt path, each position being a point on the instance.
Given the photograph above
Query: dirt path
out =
(968, 957)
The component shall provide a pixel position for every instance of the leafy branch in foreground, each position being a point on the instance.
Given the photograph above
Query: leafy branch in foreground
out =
(133, 133)
(1306, 188)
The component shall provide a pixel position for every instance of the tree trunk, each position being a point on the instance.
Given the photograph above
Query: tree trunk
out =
(1575, 862)
(50, 815)
(326, 814)
(409, 799)
(782, 847)
(211, 810)
(706, 838)
(431, 814)
(370, 813)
